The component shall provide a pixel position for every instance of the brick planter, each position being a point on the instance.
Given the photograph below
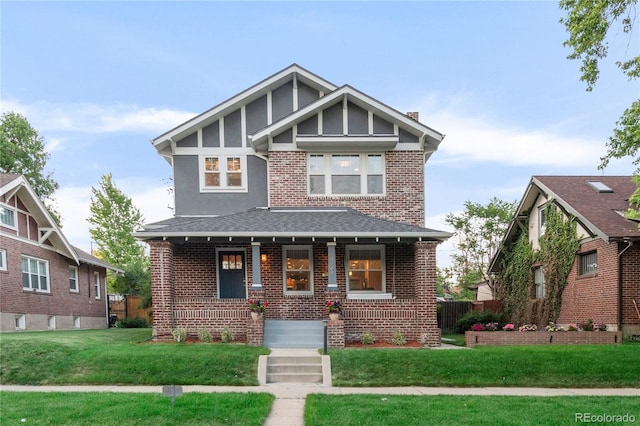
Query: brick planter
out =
(502, 338)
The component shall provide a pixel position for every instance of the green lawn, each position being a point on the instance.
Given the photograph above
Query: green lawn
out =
(526, 366)
(122, 356)
(383, 410)
(118, 409)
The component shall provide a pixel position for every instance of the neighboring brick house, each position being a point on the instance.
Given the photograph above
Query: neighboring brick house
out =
(604, 280)
(296, 191)
(45, 282)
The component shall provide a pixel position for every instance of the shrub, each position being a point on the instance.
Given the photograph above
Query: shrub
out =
(132, 323)
(477, 327)
(367, 338)
(179, 335)
(398, 338)
(204, 335)
(226, 336)
(474, 317)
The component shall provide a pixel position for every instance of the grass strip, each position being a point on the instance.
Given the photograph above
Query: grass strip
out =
(570, 366)
(383, 410)
(66, 408)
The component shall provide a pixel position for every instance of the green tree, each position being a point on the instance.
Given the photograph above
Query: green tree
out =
(588, 23)
(113, 220)
(479, 230)
(22, 152)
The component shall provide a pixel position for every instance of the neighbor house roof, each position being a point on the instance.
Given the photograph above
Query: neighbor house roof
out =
(597, 202)
(289, 223)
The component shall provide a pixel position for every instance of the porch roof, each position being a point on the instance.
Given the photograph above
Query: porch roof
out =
(281, 223)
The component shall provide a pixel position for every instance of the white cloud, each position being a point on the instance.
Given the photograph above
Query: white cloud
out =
(95, 118)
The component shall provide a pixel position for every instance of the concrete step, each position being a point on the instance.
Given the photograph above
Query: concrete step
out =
(291, 360)
(294, 378)
(294, 369)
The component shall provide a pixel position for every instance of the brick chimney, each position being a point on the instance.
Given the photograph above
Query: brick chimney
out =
(414, 115)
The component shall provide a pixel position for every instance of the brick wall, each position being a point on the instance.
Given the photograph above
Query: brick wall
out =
(403, 202)
(500, 338)
(60, 301)
(630, 287)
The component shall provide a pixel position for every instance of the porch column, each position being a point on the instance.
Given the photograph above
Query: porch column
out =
(162, 288)
(425, 282)
(256, 283)
(332, 284)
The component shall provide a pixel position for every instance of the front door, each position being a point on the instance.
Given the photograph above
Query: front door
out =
(231, 275)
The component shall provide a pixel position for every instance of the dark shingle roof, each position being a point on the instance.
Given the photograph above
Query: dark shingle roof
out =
(289, 222)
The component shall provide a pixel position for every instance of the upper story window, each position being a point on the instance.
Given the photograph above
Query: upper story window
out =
(588, 263)
(298, 270)
(346, 174)
(73, 278)
(223, 173)
(542, 220)
(96, 284)
(365, 269)
(35, 274)
(539, 283)
(3, 260)
(7, 217)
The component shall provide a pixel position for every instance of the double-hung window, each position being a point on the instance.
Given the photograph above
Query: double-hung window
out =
(73, 279)
(96, 284)
(298, 269)
(35, 274)
(7, 217)
(539, 283)
(223, 173)
(588, 263)
(346, 174)
(3, 260)
(365, 269)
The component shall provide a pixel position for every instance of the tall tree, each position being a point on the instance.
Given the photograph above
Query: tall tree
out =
(22, 152)
(113, 220)
(479, 230)
(588, 23)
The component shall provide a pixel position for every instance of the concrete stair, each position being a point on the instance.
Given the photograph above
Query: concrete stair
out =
(294, 369)
(293, 334)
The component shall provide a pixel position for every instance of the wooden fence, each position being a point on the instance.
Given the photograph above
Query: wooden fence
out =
(450, 312)
(127, 307)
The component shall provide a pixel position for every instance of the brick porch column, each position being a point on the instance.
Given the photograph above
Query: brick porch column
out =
(425, 282)
(162, 288)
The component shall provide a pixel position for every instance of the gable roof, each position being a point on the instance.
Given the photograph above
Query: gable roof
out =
(601, 213)
(13, 184)
(291, 223)
(429, 138)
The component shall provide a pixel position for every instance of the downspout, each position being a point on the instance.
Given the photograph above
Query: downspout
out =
(629, 244)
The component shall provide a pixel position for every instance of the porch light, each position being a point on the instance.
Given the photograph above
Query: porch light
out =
(263, 257)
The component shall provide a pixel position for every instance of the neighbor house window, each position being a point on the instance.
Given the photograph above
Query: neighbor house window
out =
(7, 217)
(96, 284)
(220, 173)
(588, 263)
(3, 260)
(298, 269)
(73, 278)
(346, 174)
(35, 274)
(365, 269)
(542, 220)
(539, 284)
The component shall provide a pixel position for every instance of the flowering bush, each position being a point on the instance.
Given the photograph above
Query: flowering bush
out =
(528, 327)
(572, 327)
(491, 326)
(599, 327)
(257, 305)
(478, 327)
(587, 325)
(553, 327)
(509, 327)
(334, 306)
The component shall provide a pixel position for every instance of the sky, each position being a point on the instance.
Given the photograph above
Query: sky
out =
(99, 80)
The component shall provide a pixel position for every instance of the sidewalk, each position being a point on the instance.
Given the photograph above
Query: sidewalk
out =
(288, 408)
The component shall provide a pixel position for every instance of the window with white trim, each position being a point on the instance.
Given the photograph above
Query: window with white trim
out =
(539, 283)
(346, 174)
(223, 173)
(542, 220)
(3, 260)
(7, 217)
(73, 278)
(298, 269)
(588, 263)
(365, 269)
(35, 274)
(96, 284)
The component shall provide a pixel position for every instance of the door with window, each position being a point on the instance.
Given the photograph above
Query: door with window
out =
(231, 273)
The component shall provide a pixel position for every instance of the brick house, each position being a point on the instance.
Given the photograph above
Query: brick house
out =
(604, 280)
(297, 192)
(45, 282)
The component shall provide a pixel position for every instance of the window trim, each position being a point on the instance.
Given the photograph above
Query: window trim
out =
(77, 287)
(97, 285)
(222, 158)
(309, 249)
(364, 174)
(3, 260)
(582, 257)
(364, 293)
(48, 274)
(14, 214)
